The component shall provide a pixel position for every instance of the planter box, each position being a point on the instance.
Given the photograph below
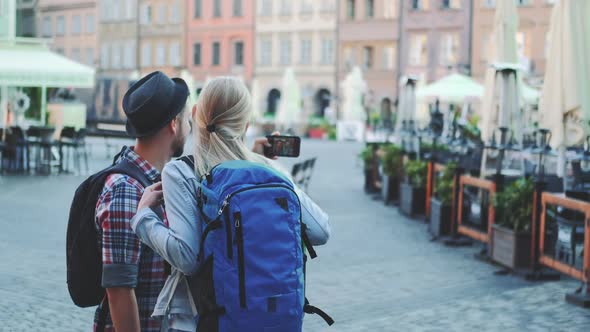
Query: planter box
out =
(389, 189)
(510, 249)
(440, 218)
(412, 200)
(370, 185)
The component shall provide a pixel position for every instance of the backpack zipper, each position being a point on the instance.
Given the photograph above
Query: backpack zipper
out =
(241, 269)
(230, 253)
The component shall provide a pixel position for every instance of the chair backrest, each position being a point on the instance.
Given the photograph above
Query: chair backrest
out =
(68, 133)
(309, 166)
(298, 173)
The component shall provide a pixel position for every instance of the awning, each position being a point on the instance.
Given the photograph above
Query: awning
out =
(455, 88)
(34, 65)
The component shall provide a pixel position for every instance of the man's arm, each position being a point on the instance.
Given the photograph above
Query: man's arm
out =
(121, 251)
(123, 307)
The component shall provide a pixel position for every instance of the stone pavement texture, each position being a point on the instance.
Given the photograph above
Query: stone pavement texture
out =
(379, 272)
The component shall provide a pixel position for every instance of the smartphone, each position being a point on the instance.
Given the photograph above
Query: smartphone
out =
(283, 146)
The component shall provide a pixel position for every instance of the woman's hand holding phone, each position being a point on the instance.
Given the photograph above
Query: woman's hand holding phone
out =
(261, 143)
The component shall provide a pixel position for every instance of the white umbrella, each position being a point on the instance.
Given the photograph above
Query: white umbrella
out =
(407, 102)
(567, 76)
(354, 88)
(255, 95)
(502, 49)
(454, 88)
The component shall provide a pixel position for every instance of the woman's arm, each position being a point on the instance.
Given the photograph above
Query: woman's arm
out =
(316, 220)
(178, 243)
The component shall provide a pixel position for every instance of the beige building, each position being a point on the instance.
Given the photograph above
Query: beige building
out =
(162, 36)
(533, 46)
(300, 34)
(368, 33)
(436, 38)
(72, 26)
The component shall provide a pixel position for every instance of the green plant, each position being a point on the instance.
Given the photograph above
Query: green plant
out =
(392, 160)
(367, 156)
(514, 206)
(444, 184)
(416, 171)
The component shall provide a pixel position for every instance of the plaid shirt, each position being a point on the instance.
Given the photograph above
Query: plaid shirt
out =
(126, 261)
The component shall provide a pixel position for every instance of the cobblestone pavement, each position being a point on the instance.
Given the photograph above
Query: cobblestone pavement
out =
(379, 272)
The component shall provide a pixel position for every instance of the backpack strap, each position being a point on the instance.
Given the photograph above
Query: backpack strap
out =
(309, 309)
(307, 243)
(189, 160)
(125, 167)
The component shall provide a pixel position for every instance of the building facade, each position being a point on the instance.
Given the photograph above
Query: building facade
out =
(532, 37)
(72, 26)
(368, 33)
(297, 34)
(220, 39)
(436, 38)
(162, 36)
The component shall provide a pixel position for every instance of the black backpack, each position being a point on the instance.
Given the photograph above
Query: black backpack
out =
(83, 255)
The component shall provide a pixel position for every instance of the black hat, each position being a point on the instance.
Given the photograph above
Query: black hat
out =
(152, 102)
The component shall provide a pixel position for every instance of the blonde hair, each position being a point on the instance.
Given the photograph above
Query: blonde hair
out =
(225, 104)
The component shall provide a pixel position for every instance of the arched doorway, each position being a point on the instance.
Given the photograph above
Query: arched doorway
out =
(274, 96)
(322, 101)
(386, 113)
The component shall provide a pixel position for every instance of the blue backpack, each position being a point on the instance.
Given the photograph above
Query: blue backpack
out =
(252, 261)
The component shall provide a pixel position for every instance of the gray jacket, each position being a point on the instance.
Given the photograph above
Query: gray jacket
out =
(179, 243)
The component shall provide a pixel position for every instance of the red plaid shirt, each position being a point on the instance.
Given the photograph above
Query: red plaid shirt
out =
(126, 261)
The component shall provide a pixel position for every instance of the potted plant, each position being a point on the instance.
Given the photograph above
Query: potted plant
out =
(413, 189)
(368, 157)
(441, 203)
(511, 232)
(391, 162)
(316, 128)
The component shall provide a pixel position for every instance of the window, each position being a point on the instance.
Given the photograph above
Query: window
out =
(349, 57)
(146, 14)
(350, 9)
(174, 56)
(160, 54)
(523, 2)
(116, 55)
(327, 51)
(265, 52)
(306, 7)
(60, 28)
(47, 26)
(285, 51)
(131, 10)
(368, 57)
(90, 23)
(76, 55)
(104, 56)
(266, 8)
(60, 51)
(146, 55)
(90, 56)
(76, 25)
(370, 8)
(239, 53)
(129, 55)
(238, 10)
(216, 8)
(197, 54)
(389, 9)
(115, 10)
(418, 50)
(305, 52)
(286, 7)
(449, 46)
(161, 14)
(420, 4)
(389, 57)
(216, 54)
(198, 8)
(489, 3)
(328, 6)
(550, 2)
(451, 4)
(175, 13)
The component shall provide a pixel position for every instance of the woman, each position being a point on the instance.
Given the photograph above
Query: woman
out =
(226, 103)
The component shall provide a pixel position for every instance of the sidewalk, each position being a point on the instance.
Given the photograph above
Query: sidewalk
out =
(379, 272)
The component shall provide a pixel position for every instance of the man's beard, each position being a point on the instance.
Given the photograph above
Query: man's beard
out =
(178, 148)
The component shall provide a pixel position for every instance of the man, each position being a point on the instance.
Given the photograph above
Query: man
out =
(133, 274)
